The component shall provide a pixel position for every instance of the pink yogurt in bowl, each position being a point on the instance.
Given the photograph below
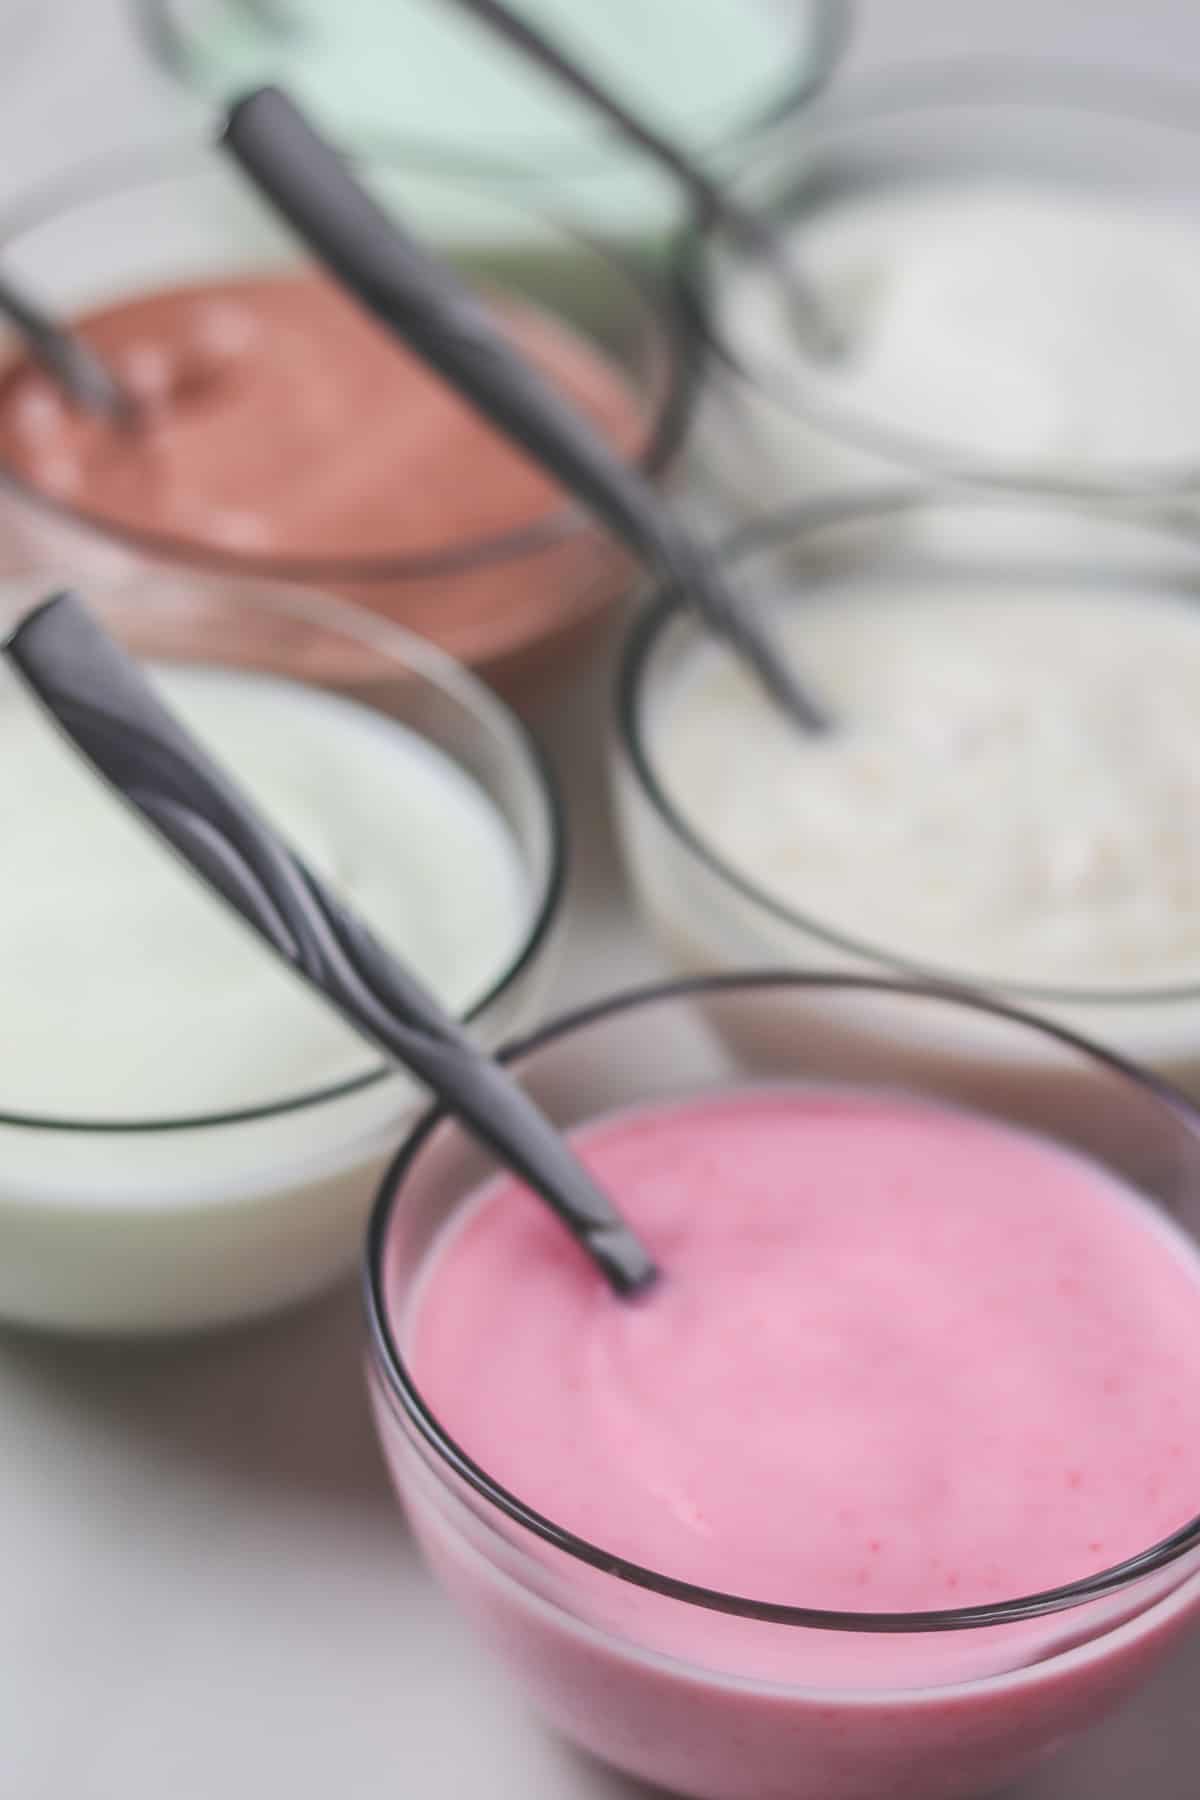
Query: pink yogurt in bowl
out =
(890, 1488)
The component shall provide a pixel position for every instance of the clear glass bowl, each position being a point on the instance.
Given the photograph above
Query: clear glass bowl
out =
(779, 424)
(514, 606)
(147, 1223)
(711, 1694)
(437, 81)
(711, 916)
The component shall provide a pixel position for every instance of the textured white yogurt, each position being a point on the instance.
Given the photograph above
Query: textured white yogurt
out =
(1012, 792)
(1034, 328)
(130, 994)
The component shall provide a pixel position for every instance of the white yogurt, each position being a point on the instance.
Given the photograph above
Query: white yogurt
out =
(1011, 792)
(130, 994)
(1036, 329)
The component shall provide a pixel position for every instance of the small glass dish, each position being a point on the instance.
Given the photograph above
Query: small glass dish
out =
(711, 1694)
(779, 423)
(515, 605)
(710, 915)
(128, 1219)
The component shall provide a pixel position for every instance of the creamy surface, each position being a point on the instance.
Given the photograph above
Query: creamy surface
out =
(280, 422)
(997, 319)
(903, 1357)
(1011, 790)
(128, 989)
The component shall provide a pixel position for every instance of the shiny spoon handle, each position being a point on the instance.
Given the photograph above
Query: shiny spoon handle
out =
(64, 355)
(424, 301)
(99, 697)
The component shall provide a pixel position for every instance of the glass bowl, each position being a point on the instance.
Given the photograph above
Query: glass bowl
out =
(780, 423)
(127, 1218)
(712, 1694)
(515, 605)
(447, 88)
(710, 915)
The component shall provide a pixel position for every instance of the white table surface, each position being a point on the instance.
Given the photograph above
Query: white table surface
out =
(206, 1590)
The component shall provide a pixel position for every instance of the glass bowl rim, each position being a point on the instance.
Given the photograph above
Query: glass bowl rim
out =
(587, 157)
(662, 321)
(401, 1391)
(923, 86)
(514, 739)
(662, 607)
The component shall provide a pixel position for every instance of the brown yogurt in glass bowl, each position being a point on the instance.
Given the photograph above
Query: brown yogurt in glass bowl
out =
(281, 432)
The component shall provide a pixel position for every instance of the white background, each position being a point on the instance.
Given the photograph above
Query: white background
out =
(206, 1591)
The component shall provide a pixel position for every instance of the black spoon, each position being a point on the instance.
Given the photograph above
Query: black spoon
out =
(423, 300)
(745, 226)
(83, 376)
(101, 700)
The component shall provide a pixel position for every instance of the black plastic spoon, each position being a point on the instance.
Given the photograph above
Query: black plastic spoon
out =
(101, 700)
(83, 376)
(745, 226)
(424, 301)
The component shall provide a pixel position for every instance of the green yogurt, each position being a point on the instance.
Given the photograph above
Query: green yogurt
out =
(425, 72)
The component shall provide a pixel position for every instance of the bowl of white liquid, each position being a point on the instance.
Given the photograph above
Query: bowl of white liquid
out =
(1010, 255)
(188, 1135)
(1007, 800)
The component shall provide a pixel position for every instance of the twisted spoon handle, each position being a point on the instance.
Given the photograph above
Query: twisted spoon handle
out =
(104, 704)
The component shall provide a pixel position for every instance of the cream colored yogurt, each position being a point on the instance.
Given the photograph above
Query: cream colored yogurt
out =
(1012, 793)
(999, 325)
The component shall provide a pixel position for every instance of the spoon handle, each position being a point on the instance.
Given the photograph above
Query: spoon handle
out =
(421, 298)
(101, 700)
(73, 364)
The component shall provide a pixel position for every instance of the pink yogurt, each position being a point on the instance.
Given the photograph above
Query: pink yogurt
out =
(906, 1359)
